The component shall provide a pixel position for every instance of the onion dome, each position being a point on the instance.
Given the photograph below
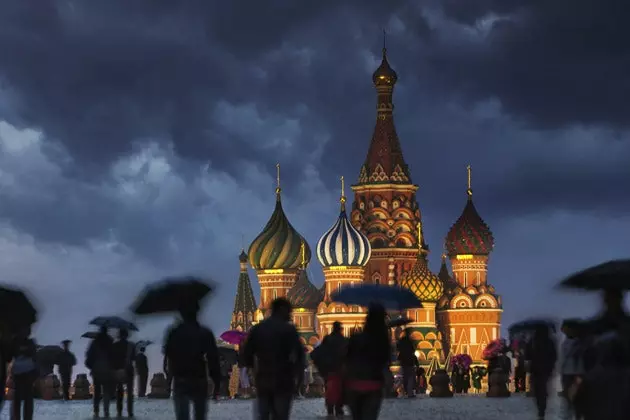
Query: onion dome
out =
(470, 234)
(384, 75)
(343, 245)
(303, 294)
(421, 281)
(242, 257)
(278, 245)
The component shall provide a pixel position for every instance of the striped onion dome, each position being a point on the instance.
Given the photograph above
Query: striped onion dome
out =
(304, 294)
(343, 245)
(279, 245)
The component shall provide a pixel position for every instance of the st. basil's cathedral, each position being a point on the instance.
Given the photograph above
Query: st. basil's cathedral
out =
(380, 240)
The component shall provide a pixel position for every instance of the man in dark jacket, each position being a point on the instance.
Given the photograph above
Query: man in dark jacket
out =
(66, 362)
(124, 356)
(191, 356)
(408, 362)
(142, 367)
(98, 360)
(274, 350)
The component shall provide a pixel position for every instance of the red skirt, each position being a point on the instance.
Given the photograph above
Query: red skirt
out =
(334, 389)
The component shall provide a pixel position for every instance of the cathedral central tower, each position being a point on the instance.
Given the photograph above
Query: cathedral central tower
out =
(385, 207)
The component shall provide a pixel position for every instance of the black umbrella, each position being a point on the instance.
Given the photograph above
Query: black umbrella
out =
(393, 298)
(171, 295)
(114, 322)
(16, 307)
(90, 334)
(48, 355)
(143, 344)
(531, 325)
(398, 322)
(612, 275)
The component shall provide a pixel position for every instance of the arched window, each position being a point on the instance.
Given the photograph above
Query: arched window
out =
(376, 278)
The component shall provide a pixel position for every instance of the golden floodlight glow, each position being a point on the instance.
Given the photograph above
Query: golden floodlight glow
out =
(274, 271)
(464, 257)
(338, 268)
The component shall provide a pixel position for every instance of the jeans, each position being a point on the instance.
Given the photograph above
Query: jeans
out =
(23, 396)
(539, 387)
(193, 390)
(365, 405)
(142, 383)
(409, 380)
(274, 405)
(65, 386)
(121, 387)
(103, 390)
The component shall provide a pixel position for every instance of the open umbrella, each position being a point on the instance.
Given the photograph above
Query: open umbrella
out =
(391, 297)
(90, 334)
(48, 355)
(611, 275)
(16, 307)
(531, 325)
(398, 322)
(143, 344)
(171, 295)
(114, 322)
(233, 337)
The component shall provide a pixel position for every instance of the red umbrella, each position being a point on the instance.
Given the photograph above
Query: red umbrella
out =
(233, 337)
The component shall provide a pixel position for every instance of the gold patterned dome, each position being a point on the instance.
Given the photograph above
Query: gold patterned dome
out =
(422, 282)
(279, 245)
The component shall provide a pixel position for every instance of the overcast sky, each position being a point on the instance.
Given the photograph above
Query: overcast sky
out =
(139, 139)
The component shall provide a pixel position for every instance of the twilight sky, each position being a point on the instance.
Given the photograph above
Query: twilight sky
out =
(139, 139)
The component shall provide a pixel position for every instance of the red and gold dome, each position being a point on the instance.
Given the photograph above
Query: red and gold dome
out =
(384, 75)
(470, 235)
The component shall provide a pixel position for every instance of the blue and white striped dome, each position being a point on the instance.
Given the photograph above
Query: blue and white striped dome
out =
(343, 245)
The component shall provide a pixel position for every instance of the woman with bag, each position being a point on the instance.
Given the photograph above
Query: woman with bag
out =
(124, 355)
(24, 373)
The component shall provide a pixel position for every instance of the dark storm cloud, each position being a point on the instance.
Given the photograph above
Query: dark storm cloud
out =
(224, 81)
(553, 63)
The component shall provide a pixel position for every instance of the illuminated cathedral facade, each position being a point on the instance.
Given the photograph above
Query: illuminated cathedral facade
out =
(379, 239)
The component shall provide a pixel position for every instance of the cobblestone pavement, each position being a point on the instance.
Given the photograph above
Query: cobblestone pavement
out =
(469, 407)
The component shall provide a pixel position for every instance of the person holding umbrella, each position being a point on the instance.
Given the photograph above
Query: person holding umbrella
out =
(66, 362)
(123, 357)
(98, 360)
(408, 362)
(142, 368)
(24, 373)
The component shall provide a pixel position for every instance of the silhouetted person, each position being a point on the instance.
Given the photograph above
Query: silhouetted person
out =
(66, 362)
(5, 357)
(192, 356)
(142, 368)
(408, 362)
(543, 357)
(274, 350)
(335, 345)
(123, 357)
(368, 359)
(98, 360)
(520, 372)
(24, 373)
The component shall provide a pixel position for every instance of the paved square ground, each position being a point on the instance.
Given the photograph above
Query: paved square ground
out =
(470, 407)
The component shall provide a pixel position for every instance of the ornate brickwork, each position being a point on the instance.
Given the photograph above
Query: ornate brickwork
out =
(243, 315)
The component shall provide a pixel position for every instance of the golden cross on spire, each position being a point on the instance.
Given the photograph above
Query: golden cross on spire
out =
(419, 236)
(303, 253)
(278, 189)
(469, 189)
(342, 200)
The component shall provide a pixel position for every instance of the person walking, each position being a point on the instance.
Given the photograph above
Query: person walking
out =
(367, 360)
(334, 346)
(142, 369)
(66, 362)
(543, 360)
(191, 356)
(5, 358)
(274, 350)
(408, 362)
(98, 360)
(24, 373)
(123, 357)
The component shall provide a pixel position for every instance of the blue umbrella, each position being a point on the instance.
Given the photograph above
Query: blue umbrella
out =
(114, 322)
(393, 298)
